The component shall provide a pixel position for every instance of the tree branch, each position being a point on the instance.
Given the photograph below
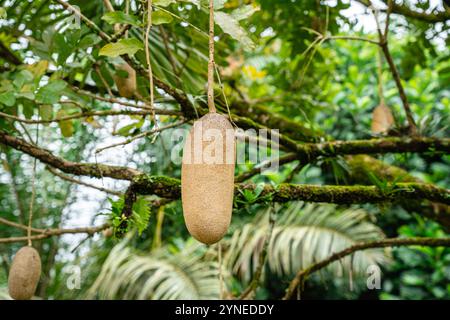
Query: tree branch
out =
(72, 180)
(142, 135)
(308, 152)
(86, 114)
(303, 274)
(84, 169)
(404, 10)
(57, 232)
(170, 188)
(258, 169)
(398, 82)
(6, 54)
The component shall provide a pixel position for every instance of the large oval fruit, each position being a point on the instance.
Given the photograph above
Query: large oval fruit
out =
(382, 119)
(207, 178)
(125, 80)
(24, 274)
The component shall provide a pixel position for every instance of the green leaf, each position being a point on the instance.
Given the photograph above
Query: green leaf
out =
(231, 26)
(38, 69)
(141, 214)
(3, 13)
(8, 98)
(22, 77)
(122, 18)
(65, 126)
(28, 108)
(161, 17)
(88, 41)
(63, 47)
(123, 46)
(130, 129)
(46, 111)
(51, 92)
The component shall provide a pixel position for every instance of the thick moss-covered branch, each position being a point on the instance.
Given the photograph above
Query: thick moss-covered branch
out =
(352, 194)
(363, 165)
(170, 188)
(303, 274)
(84, 169)
(311, 151)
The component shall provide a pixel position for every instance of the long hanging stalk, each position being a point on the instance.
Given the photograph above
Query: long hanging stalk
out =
(211, 105)
(33, 193)
(147, 56)
(380, 76)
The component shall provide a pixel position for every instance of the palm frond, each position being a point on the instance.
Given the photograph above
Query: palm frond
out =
(304, 234)
(159, 275)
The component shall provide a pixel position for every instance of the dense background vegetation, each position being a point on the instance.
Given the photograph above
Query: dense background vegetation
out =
(308, 68)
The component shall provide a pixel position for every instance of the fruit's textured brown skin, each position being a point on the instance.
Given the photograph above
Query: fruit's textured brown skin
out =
(127, 85)
(24, 274)
(207, 178)
(108, 233)
(382, 119)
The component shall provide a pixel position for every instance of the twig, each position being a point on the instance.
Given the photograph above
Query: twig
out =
(72, 180)
(88, 22)
(141, 135)
(388, 15)
(211, 105)
(122, 31)
(169, 54)
(352, 38)
(103, 80)
(86, 115)
(380, 77)
(108, 5)
(127, 103)
(33, 192)
(385, 48)
(404, 10)
(258, 169)
(56, 232)
(395, 242)
(19, 226)
(147, 57)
